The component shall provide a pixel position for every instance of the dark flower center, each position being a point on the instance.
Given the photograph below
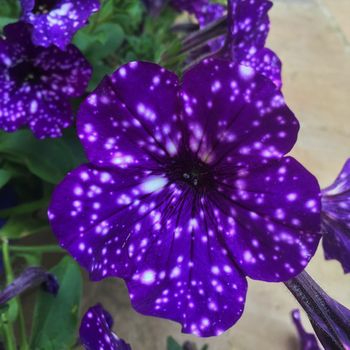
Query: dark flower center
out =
(190, 170)
(25, 72)
(43, 6)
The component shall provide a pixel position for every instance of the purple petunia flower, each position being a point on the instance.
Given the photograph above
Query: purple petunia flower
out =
(307, 340)
(248, 28)
(56, 21)
(188, 191)
(336, 219)
(96, 331)
(38, 83)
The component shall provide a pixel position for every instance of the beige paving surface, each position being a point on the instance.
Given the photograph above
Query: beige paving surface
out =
(312, 38)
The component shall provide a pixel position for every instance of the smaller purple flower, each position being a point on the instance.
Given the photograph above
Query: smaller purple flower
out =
(307, 340)
(336, 219)
(96, 331)
(56, 21)
(36, 84)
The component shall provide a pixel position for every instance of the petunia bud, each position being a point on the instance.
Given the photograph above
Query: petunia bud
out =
(30, 278)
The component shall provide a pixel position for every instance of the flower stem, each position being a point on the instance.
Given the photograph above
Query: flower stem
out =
(22, 328)
(8, 333)
(9, 278)
(25, 208)
(39, 249)
(312, 299)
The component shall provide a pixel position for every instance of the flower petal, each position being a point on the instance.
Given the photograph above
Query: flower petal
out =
(56, 25)
(96, 331)
(191, 277)
(237, 112)
(336, 219)
(132, 115)
(267, 63)
(277, 212)
(249, 26)
(112, 220)
(66, 72)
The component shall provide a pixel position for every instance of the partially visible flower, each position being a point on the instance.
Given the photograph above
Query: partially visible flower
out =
(248, 28)
(329, 319)
(56, 21)
(30, 278)
(336, 219)
(308, 341)
(36, 84)
(96, 331)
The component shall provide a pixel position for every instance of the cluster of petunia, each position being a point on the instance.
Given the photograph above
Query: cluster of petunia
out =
(40, 71)
(187, 190)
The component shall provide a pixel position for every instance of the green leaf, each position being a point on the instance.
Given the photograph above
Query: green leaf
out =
(49, 159)
(56, 317)
(172, 344)
(111, 36)
(13, 310)
(6, 20)
(5, 176)
(19, 226)
(30, 259)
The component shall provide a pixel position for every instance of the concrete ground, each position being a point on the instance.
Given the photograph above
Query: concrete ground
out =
(312, 37)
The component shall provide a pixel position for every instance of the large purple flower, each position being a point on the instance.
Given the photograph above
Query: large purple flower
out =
(56, 21)
(336, 219)
(248, 28)
(37, 83)
(96, 331)
(187, 191)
